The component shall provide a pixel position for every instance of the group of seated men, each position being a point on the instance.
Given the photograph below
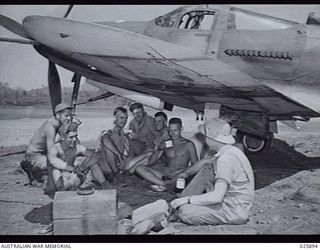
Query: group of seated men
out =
(220, 192)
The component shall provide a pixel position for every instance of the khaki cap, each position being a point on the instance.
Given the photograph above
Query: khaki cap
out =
(60, 107)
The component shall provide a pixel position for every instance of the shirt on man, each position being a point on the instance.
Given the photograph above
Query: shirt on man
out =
(145, 130)
(233, 167)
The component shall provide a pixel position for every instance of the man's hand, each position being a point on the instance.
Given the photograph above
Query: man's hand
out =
(183, 175)
(133, 135)
(179, 202)
(81, 175)
(122, 166)
(211, 160)
(173, 175)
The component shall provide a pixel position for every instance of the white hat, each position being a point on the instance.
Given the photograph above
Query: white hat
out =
(218, 130)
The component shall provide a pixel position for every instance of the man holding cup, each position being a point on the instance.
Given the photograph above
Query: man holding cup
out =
(177, 151)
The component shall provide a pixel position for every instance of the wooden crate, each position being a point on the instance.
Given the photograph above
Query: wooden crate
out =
(93, 214)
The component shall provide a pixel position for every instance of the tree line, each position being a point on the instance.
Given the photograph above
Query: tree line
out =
(40, 96)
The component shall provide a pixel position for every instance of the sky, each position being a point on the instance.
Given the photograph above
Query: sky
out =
(21, 66)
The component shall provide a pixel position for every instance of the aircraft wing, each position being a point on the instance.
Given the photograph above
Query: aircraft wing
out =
(171, 72)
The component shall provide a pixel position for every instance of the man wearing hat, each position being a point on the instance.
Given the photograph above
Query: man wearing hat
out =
(227, 180)
(62, 173)
(35, 162)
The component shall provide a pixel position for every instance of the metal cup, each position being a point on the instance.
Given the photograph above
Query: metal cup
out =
(169, 144)
(181, 183)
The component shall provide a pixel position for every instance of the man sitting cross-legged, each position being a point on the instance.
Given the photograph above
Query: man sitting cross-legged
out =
(222, 190)
(177, 158)
(62, 174)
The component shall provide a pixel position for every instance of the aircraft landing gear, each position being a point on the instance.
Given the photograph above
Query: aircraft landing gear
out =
(255, 144)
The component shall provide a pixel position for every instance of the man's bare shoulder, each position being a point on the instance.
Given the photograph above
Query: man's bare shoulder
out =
(49, 125)
(186, 141)
(55, 148)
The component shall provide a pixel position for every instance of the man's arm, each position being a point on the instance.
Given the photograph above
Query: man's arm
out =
(192, 151)
(214, 197)
(108, 143)
(83, 151)
(156, 155)
(56, 162)
(195, 167)
(223, 179)
(153, 125)
(134, 132)
(50, 137)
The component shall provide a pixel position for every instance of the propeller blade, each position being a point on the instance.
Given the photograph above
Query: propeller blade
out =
(14, 40)
(13, 26)
(54, 85)
(68, 11)
(76, 79)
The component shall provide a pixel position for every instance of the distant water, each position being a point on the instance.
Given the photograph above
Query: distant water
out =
(16, 112)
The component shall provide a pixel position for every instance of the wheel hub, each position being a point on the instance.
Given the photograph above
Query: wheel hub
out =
(253, 144)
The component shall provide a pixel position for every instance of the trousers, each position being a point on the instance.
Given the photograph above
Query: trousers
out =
(192, 214)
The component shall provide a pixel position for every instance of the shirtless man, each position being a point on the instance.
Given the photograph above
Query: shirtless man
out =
(114, 144)
(62, 173)
(113, 153)
(177, 158)
(35, 163)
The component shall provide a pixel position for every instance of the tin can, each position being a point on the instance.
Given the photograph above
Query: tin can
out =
(169, 144)
(180, 185)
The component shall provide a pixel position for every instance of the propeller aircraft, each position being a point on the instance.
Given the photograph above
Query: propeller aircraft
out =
(259, 69)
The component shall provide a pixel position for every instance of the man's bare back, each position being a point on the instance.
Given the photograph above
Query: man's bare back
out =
(44, 137)
(35, 162)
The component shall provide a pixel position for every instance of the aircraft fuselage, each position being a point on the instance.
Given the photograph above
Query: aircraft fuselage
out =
(281, 59)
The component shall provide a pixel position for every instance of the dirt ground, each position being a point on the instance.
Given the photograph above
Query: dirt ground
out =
(286, 198)
(287, 179)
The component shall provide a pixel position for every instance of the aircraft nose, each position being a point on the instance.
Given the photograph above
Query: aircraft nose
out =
(29, 21)
(49, 30)
(95, 39)
(32, 24)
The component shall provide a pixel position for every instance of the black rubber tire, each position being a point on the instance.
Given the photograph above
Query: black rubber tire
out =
(263, 148)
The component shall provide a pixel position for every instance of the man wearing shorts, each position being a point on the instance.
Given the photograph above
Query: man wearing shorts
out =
(35, 162)
(178, 154)
(62, 173)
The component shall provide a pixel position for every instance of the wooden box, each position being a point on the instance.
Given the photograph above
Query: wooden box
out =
(93, 214)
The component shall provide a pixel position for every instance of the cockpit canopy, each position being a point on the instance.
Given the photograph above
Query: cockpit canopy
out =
(203, 17)
(248, 20)
(182, 18)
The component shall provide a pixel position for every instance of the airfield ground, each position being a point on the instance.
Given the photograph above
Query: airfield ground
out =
(287, 183)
